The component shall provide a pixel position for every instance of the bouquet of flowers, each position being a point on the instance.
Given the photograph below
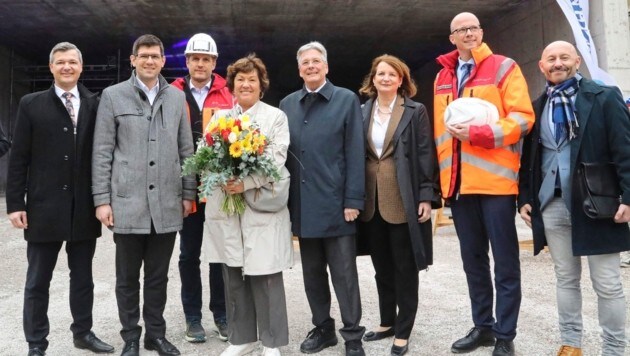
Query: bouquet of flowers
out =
(232, 148)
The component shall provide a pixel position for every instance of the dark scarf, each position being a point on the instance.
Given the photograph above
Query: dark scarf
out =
(563, 107)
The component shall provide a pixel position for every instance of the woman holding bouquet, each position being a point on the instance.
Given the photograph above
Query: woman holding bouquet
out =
(255, 246)
(401, 187)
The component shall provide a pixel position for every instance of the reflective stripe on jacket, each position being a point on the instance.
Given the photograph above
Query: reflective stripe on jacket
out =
(489, 162)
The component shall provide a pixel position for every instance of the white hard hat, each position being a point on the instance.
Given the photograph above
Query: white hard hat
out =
(473, 111)
(202, 44)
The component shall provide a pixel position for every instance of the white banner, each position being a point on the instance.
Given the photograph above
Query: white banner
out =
(576, 12)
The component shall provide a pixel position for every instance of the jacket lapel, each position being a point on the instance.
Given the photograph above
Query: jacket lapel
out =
(368, 115)
(397, 114)
(583, 106)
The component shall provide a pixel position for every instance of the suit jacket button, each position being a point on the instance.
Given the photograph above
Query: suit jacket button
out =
(65, 187)
(65, 158)
(151, 187)
(65, 129)
(151, 163)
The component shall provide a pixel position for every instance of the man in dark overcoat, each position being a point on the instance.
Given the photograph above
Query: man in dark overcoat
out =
(577, 121)
(327, 165)
(50, 165)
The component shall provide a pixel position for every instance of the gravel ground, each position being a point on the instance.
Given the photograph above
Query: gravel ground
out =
(443, 313)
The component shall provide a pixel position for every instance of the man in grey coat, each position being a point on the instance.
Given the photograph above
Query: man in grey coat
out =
(141, 138)
(327, 165)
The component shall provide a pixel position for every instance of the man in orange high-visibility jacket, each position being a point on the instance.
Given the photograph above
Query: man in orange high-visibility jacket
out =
(479, 166)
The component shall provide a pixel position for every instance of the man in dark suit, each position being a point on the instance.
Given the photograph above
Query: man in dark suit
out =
(577, 121)
(51, 159)
(327, 168)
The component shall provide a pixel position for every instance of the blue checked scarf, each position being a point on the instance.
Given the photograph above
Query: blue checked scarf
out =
(563, 107)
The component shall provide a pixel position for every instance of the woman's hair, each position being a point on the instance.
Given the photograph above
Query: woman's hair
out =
(407, 88)
(247, 65)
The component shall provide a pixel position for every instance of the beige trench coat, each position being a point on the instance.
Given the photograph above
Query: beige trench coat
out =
(259, 242)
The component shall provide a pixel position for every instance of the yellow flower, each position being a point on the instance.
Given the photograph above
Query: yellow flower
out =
(236, 149)
(222, 123)
(236, 130)
(247, 145)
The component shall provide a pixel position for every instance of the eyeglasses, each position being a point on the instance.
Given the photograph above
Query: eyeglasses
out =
(314, 62)
(145, 57)
(462, 31)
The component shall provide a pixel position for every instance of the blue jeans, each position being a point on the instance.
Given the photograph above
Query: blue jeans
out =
(605, 277)
(190, 238)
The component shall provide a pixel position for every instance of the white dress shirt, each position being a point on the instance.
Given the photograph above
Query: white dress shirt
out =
(379, 127)
(200, 94)
(151, 93)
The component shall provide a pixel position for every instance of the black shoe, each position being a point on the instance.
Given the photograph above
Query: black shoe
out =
(36, 351)
(195, 331)
(476, 337)
(161, 345)
(132, 348)
(503, 348)
(90, 342)
(400, 350)
(378, 335)
(318, 339)
(354, 348)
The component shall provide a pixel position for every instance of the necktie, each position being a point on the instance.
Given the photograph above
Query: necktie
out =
(462, 81)
(69, 107)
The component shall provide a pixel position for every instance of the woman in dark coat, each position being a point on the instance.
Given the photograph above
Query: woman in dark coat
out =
(401, 188)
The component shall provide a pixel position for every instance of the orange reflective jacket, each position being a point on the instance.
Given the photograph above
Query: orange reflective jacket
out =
(489, 162)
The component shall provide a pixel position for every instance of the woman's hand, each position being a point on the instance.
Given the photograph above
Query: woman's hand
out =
(234, 186)
(424, 211)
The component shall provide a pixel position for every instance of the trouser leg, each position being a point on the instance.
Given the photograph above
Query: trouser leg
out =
(271, 309)
(217, 292)
(341, 256)
(568, 270)
(157, 257)
(241, 310)
(129, 253)
(190, 239)
(42, 258)
(316, 284)
(80, 255)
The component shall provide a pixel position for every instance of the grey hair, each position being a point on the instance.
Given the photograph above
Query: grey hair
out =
(313, 45)
(64, 47)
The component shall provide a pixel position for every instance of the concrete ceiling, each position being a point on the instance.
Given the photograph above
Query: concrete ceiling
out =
(354, 31)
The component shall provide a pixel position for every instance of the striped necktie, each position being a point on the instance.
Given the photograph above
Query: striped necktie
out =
(462, 81)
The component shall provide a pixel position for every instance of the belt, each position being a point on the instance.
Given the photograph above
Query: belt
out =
(557, 193)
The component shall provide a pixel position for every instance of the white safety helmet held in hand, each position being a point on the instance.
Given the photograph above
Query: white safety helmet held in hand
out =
(201, 44)
(473, 111)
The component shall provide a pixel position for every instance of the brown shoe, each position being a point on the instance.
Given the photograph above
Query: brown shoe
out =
(569, 351)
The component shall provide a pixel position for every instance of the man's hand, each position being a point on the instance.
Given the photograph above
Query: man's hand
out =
(623, 214)
(18, 219)
(459, 131)
(526, 214)
(350, 214)
(188, 205)
(424, 211)
(105, 215)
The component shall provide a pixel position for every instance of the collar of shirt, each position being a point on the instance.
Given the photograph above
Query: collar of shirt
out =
(250, 111)
(200, 94)
(151, 93)
(460, 66)
(318, 89)
(74, 91)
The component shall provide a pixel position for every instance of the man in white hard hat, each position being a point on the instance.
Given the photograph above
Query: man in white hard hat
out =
(205, 92)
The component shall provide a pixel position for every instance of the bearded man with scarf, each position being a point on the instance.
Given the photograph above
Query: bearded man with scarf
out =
(577, 121)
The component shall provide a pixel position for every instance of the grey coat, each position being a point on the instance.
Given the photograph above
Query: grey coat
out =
(138, 152)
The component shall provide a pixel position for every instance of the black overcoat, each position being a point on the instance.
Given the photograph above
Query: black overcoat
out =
(50, 175)
(326, 160)
(416, 173)
(603, 136)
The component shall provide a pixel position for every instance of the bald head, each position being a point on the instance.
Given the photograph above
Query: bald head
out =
(463, 17)
(559, 61)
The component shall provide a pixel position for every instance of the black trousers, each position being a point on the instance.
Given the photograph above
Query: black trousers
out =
(155, 251)
(396, 274)
(339, 255)
(42, 258)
